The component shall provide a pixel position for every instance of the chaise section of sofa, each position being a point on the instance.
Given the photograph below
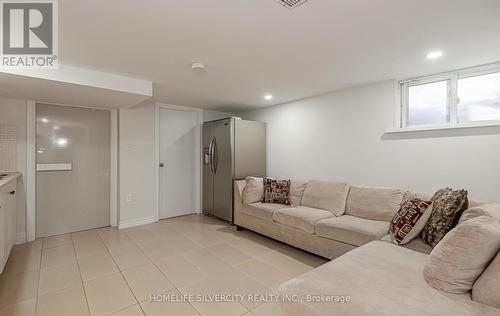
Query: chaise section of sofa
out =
(383, 278)
(378, 278)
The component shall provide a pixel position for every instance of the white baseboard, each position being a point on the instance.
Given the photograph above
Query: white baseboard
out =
(21, 238)
(136, 222)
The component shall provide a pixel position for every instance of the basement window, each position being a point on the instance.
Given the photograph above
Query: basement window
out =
(465, 98)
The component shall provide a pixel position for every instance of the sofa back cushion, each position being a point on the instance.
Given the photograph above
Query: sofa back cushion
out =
(462, 255)
(425, 196)
(486, 290)
(253, 191)
(491, 209)
(297, 188)
(329, 196)
(379, 204)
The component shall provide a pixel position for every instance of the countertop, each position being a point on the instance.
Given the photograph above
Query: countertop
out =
(10, 176)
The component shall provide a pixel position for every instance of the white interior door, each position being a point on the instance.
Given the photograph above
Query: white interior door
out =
(178, 162)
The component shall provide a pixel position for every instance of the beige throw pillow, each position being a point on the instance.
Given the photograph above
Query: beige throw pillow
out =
(486, 290)
(462, 255)
(296, 191)
(490, 209)
(253, 191)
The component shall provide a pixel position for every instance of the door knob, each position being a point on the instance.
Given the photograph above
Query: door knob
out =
(162, 165)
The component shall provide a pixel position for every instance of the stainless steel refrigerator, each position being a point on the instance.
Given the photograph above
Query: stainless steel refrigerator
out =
(232, 150)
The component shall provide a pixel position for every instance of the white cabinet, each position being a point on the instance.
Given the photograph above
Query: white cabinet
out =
(7, 220)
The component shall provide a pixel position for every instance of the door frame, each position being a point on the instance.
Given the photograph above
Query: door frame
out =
(31, 166)
(198, 144)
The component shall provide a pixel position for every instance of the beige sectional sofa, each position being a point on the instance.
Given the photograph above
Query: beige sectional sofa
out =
(379, 277)
(328, 218)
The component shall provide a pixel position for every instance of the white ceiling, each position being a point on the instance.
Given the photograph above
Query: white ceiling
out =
(256, 47)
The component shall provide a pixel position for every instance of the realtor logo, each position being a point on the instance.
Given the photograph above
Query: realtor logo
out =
(29, 34)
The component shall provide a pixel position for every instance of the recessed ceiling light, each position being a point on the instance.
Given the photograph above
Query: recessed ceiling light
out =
(434, 55)
(197, 66)
(44, 120)
(268, 97)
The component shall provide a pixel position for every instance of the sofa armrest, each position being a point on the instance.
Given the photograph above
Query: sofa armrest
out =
(239, 185)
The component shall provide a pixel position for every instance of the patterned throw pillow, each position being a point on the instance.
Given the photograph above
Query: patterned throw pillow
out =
(276, 191)
(447, 207)
(409, 221)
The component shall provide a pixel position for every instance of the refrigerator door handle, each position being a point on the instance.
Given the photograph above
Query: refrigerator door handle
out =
(215, 156)
(211, 155)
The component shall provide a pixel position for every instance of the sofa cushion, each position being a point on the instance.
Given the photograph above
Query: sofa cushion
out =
(380, 278)
(253, 191)
(447, 208)
(301, 217)
(276, 191)
(409, 221)
(490, 209)
(351, 230)
(262, 210)
(375, 203)
(296, 192)
(423, 196)
(330, 196)
(487, 288)
(416, 244)
(463, 254)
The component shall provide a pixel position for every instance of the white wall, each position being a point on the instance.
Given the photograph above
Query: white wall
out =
(136, 164)
(13, 111)
(137, 160)
(340, 136)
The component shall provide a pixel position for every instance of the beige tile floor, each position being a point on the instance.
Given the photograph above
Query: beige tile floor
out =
(113, 272)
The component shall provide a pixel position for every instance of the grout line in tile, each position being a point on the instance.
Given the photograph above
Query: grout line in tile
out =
(116, 312)
(175, 286)
(39, 274)
(156, 266)
(81, 277)
(121, 273)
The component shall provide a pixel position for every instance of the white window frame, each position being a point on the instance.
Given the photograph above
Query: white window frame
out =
(452, 78)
